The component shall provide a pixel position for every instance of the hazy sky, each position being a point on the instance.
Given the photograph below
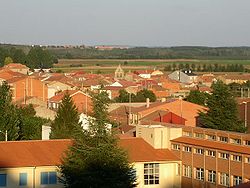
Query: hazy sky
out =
(126, 22)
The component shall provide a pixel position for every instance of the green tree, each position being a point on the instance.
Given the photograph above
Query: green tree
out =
(95, 159)
(222, 111)
(66, 122)
(197, 97)
(8, 114)
(142, 95)
(124, 96)
(30, 125)
(8, 60)
(39, 58)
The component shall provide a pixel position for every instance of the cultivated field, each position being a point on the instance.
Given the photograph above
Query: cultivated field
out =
(108, 65)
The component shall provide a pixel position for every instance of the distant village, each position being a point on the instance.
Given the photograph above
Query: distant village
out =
(164, 139)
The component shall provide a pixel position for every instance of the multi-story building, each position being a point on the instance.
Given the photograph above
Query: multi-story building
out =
(210, 158)
(35, 163)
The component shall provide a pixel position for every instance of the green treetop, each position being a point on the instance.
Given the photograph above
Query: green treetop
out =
(222, 111)
(66, 122)
(197, 97)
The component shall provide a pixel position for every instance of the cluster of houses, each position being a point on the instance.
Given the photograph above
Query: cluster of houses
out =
(165, 144)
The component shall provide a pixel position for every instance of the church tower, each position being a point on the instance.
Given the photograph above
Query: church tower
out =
(119, 72)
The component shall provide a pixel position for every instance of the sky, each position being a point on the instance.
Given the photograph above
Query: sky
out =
(126, 22)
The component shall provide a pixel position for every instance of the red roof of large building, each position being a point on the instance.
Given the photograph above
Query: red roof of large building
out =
(213, 145)
(50, 152)
(140, 151)
(32, 153)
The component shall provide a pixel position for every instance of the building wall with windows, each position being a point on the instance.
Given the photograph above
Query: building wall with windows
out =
(158, 174)
(210, 158)
(43, 176)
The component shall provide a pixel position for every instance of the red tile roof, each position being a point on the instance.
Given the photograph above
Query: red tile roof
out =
(214, 145)
(15, 66)
(140, 151)
(50, 152)
(59, 96)
(32, 153)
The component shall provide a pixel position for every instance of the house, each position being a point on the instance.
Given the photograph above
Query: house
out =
(183, 109)
(156, 73)
(82, 100)
(235, 78)
(6, 74)
(27, 86)
(183, 76)
(144, 73)
(17, 67)
(57, 86)
(154, 167)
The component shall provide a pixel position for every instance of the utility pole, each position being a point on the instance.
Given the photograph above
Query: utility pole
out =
(245, 113)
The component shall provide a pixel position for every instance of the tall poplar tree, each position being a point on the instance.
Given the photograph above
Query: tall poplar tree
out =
(95, 159)
(222, 111)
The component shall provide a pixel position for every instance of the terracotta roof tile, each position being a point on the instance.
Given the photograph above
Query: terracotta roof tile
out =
(213, 144)
(59, 96)
(50, 152)
(32, 153)
(140, 151)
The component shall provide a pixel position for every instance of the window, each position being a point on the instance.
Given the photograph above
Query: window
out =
(3, 178)
(247, 142)
(211, 176)
(23, 179)
(235, 141)
(247, 160)
(178, 169)
(199, 174)
(187, 171)
(199, 135)
(175, 146)
(186, 133)
(211, 137)
(224, 179)
(211, 153)
(237, 180)
(236, 158)
(223, 139)
(48, 178)
(187, 149)
(151, 173)
(224, 156)
(199, 151)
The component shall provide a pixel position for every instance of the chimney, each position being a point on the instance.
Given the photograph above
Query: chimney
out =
(147, 102)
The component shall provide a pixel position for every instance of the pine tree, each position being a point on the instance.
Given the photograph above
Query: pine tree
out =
(95, 159)
(66, 122)
(222, 110)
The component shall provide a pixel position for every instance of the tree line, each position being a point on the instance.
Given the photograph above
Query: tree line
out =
(206, 67)
(181, 52)
(36, 57)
